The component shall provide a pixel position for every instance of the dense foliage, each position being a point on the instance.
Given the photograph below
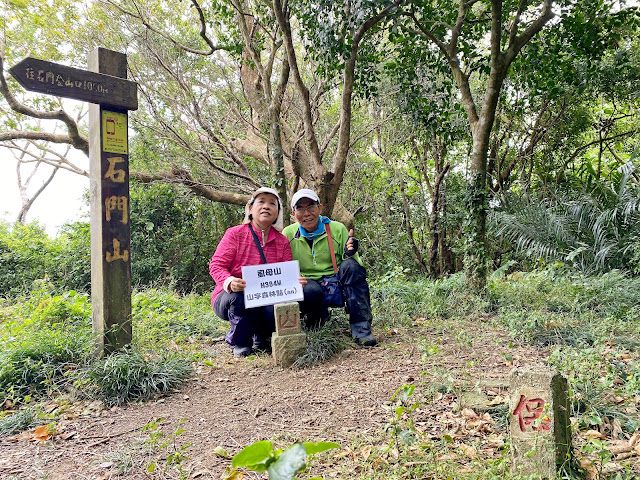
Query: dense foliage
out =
(173, 236)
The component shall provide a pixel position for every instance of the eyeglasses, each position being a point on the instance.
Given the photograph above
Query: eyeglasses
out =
(308, 209)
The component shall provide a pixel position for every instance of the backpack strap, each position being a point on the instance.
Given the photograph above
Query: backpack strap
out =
(333, 253)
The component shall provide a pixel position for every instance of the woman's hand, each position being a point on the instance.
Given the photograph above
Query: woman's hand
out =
(302, 280)
(237, 285)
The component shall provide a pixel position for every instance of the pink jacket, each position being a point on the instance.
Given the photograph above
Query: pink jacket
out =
(238, 249)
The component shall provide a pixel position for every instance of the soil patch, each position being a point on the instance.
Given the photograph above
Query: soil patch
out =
(237, 402)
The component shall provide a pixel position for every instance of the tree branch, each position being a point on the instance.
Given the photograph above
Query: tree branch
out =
(74, 138)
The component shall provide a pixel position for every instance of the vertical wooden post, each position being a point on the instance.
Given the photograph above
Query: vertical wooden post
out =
(110, 230)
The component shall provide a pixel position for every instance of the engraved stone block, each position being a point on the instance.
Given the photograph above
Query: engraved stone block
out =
(287, 348)
(539, 421)
(287, 318)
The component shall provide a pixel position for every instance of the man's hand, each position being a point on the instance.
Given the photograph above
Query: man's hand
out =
(351, 247)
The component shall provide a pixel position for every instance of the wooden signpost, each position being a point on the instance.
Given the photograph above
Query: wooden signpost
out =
(111, 95)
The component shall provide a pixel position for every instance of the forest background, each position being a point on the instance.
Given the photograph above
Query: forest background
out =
(459, 138)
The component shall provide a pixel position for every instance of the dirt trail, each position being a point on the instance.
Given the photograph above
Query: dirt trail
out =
(242, 401)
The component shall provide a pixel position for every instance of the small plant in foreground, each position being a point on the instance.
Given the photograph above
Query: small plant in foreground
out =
(402, 425)
(159, 441)
(279, 464)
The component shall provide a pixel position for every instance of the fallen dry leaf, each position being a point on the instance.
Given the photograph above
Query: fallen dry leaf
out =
(469, 413)
(495, 441)
(617, 429)
(235, 475)
(395, 453)
(619, 447)
(41, 433)
(497, 400)
(447, 456)
(379, 460)
(594, 434)
(469, 451)
(365, 452)
(590, 469)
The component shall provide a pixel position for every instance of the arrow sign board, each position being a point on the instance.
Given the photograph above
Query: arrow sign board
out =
(51, 78)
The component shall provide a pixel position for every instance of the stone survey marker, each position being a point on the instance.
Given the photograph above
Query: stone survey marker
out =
(111, 95)
(539, 421)
(288, 341)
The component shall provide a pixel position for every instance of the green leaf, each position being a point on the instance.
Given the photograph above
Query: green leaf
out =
(316, 447)
(289, 463)
(254, 455)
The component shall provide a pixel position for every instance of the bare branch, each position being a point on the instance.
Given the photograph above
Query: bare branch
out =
(203, 29)
(74, 138)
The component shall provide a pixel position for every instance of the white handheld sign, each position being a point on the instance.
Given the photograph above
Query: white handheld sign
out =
(272, 283)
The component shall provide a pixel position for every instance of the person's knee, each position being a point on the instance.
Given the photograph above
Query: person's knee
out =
(352, 272)
(313, 293)
(236, 303)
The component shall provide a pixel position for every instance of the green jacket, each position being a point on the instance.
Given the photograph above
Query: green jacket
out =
(316, 262)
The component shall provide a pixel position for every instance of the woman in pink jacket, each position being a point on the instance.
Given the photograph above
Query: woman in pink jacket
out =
(250, 328)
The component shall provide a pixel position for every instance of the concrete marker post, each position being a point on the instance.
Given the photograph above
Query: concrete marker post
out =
(539, 422)
(288, 341)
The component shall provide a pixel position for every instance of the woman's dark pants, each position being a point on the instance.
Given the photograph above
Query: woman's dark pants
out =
(249, 326)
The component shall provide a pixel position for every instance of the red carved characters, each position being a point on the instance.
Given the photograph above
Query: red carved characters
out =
(528, 411)
(289, 322)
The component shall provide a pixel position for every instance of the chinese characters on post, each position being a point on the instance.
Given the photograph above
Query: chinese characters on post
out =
(531, 415)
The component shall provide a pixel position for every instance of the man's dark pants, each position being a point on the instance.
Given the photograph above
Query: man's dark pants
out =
(353, 278)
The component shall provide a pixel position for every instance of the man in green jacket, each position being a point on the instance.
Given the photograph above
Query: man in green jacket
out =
(309, 245)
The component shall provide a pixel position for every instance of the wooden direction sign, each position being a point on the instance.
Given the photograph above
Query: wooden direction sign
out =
(111, 95)
(51, 78)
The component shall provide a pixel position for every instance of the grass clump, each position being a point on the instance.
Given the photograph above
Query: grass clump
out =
(17, 422)
(47, 346)
(323, 343)
(132, 376)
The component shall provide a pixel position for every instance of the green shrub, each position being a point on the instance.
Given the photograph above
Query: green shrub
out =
(130, 376)
(70, 308)
(161, 317)
(24, 257)
(41, 362)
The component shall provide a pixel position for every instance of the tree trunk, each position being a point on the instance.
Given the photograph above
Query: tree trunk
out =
(435, 224)
(417, 255)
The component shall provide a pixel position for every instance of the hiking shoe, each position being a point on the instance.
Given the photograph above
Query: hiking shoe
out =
(368, 341)
(263, 346)
(241, 351)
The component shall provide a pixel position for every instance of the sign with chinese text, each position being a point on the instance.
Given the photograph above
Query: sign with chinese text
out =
(272, 283)
(51, 78)
(114, 132)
